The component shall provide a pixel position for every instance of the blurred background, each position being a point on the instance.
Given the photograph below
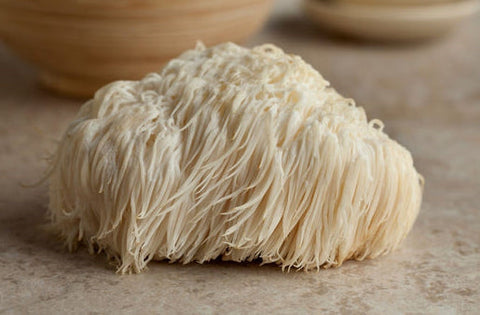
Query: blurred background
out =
(415, 64)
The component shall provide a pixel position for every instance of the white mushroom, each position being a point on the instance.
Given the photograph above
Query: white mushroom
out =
(234, 153)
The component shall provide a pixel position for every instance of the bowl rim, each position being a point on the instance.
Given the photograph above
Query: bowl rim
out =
(431, 11)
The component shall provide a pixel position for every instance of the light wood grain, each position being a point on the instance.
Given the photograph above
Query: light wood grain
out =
(396, 2)
(78, 46)
(367, 19)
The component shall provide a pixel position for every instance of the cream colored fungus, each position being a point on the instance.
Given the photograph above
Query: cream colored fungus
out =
(234, 153)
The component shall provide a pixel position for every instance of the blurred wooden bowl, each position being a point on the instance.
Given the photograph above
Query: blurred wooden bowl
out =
(394, 2)
(390, 21)
(79, 46)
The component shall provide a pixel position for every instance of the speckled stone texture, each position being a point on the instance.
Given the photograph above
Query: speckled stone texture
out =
(428, 95)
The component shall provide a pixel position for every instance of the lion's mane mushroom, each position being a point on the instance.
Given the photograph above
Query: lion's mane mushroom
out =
(233, 153)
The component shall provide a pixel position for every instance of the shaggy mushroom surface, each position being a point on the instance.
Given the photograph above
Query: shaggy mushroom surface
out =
(231, 153)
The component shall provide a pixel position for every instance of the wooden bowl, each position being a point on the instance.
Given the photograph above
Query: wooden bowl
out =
(79, 46)
(390, 21)
(394, 2)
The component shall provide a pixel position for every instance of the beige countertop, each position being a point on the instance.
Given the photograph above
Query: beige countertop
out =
(428, 95)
